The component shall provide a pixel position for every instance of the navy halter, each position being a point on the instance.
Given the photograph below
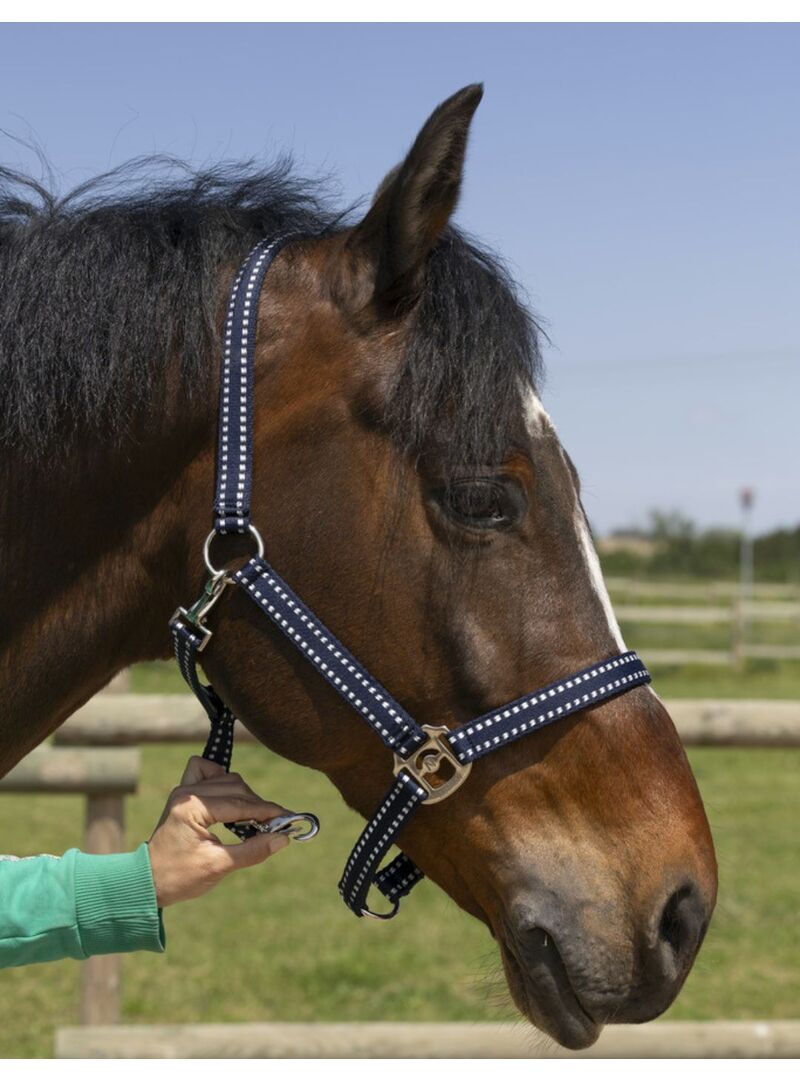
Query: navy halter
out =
(430, 763)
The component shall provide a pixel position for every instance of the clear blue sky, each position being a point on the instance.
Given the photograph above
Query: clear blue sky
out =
(643, 181)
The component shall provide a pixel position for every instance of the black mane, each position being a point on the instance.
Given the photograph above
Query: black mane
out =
(98, 288)
(474, 347)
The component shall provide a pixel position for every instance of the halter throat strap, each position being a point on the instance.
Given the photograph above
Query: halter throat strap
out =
(430, 763)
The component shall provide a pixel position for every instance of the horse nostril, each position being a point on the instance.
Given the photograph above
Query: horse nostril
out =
(682, 924)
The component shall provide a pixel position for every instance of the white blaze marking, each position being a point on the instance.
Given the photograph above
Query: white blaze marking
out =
(538, 421)
(596, 577)
(536, 416)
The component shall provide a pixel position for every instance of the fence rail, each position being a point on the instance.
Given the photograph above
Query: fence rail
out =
(132, 719)
(722, 657)
(685, 613)
(696, 590)
(74, 772)
(661, 1039)
(728, 608)
(707, 657)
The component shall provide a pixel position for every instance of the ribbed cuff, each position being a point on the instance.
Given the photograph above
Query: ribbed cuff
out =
(115, 903)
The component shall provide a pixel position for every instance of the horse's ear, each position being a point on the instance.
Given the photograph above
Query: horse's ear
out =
(414, 203)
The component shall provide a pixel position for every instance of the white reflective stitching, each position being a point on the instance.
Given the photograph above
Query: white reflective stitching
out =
(334, 652)
(570, 706)
(485, 722)
(230, 490)
(222, 480)
(414, 875)
(394, 826)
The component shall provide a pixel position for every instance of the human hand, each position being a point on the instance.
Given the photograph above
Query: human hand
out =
(186, 858)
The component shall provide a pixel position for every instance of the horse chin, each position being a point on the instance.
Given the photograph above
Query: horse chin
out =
(540, 987)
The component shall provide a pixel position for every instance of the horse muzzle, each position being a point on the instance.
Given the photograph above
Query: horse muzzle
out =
(572, 971)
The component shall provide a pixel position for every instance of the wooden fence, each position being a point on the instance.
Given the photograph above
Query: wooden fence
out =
(700, 590)
(723, 606)
(661, 1039)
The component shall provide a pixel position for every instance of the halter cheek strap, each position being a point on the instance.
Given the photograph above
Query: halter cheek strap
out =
(430, 763)
(235, 438)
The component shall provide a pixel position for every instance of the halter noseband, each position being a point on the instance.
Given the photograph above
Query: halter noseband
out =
(420, 751)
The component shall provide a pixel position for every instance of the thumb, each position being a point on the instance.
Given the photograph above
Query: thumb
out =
(256, 849)
(199, 769)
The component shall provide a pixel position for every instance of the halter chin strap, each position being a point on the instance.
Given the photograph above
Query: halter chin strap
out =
(430, 763)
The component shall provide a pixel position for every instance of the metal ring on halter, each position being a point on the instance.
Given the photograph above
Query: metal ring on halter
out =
(377, 915)
(207, 548)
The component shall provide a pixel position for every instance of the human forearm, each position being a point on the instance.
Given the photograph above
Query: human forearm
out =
(77, 906)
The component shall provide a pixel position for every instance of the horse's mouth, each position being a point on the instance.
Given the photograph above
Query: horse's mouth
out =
(541, 989)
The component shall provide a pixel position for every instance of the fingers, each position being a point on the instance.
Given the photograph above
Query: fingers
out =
(186, 858)
(252, 851)
(217, 782)
(200, 768)
(206, 777)
(206, 810)
(209, 788)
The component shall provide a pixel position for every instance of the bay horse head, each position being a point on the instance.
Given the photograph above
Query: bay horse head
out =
(415, 493)
(411, 489)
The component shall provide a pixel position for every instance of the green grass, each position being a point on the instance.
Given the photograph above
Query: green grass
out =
(276, 943)
(705, 635)
(159, 677)
(767, 679)
(750, 963)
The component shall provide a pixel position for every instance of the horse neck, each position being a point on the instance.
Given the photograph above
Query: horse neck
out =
(94, 560)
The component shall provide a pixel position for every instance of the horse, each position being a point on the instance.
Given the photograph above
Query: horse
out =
(411, 488)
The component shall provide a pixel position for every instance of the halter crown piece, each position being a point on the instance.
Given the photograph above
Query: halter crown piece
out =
(430, 763)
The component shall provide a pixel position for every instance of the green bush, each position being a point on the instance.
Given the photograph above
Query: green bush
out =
(681, 550)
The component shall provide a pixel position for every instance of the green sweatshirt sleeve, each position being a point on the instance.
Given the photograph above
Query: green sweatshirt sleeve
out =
(77, 906)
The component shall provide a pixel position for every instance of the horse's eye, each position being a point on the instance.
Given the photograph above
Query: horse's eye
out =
(480, 504)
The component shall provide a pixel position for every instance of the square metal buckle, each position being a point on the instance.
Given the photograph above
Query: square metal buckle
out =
(426, 761)
(195, 616)
(182, 615)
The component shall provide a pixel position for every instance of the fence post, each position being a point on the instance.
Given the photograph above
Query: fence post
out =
(738, 634)
(101, 976)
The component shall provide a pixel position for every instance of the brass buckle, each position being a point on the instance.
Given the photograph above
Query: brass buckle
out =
(428, 759)
(196, 614)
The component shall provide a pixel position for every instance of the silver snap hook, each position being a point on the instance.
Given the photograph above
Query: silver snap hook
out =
(299, 827)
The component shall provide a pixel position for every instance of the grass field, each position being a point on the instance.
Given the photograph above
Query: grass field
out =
(276, 942)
